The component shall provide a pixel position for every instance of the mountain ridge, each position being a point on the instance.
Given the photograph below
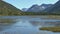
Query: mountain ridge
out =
(8, 9)
(55, 8)
(38, 8)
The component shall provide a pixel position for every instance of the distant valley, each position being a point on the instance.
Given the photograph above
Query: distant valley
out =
(7, 9)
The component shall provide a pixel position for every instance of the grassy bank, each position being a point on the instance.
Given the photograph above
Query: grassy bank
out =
(7, 21)
(53, 29)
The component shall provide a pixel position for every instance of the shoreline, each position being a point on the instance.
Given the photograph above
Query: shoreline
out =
(53, 29)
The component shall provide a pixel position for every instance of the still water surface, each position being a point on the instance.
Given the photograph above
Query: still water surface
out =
(27, 25)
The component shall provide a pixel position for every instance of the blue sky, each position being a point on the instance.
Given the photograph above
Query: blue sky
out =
(28, 3)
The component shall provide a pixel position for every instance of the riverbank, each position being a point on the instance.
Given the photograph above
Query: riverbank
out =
(53, 29)
(7, 21)
(46, 16)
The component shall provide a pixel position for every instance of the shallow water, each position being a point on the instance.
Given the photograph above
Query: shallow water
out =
(27, 25)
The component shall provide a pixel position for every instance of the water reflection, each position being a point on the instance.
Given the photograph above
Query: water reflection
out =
(6, 23)
(35, 23)
(26, 25)
(45, 22)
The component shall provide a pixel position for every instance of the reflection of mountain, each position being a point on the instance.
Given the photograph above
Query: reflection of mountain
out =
(45, 23)
(38, 8)
(8, 9)
(55, 23)
(35, 23)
